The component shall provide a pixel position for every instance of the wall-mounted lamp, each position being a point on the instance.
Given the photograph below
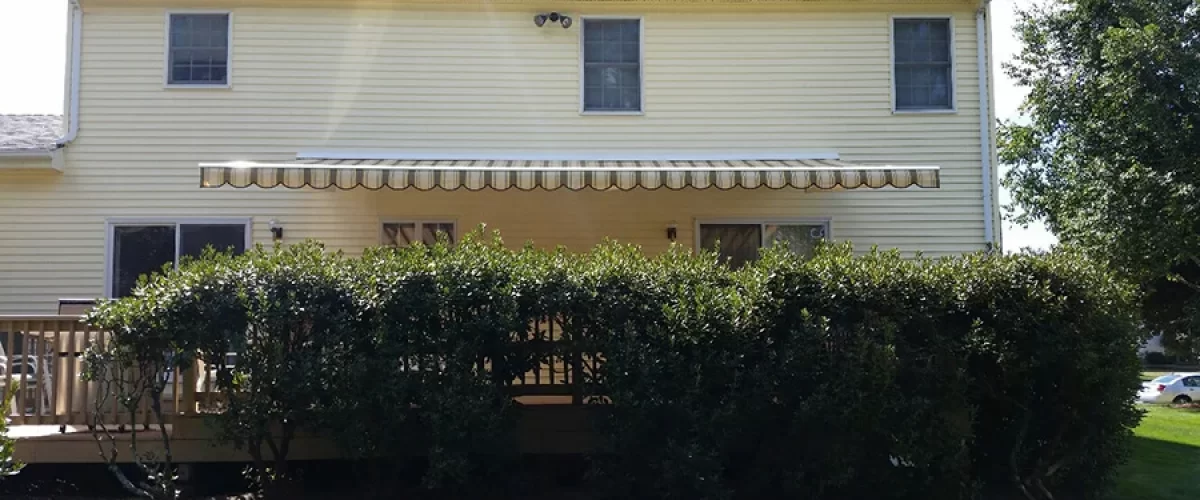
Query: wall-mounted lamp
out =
(276, 230)
(554, 17)
(672, 232)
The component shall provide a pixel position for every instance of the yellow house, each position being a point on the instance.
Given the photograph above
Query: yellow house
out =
(367, 122)
(561, 123)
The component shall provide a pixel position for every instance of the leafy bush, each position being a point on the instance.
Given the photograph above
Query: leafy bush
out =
(9, 466)
(441, 327)
(1054, 372)
(788, 379)
(839, 376)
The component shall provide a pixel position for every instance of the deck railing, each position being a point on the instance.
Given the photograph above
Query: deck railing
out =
(43, 360)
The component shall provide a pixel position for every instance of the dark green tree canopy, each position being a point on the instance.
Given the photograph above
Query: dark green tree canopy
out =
(1109, 157)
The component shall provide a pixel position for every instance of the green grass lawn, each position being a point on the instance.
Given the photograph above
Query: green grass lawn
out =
(1148, 376)
(1166, 457)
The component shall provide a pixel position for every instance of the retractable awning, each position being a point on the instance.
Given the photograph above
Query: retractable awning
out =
(527, 175)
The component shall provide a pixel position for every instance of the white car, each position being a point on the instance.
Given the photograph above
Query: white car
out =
(1178, 388)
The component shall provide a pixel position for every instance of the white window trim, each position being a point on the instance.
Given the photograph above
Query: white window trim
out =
(953, 109)
(167, 52)
(418, 223)
(113, 222)
(827, 222)
(641, 65)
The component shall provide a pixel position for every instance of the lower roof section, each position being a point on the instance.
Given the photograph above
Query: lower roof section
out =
(528, 175)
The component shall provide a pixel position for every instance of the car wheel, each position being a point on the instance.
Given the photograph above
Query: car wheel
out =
(1182, 400)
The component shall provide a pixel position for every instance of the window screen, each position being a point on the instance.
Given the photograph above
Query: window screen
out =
(198, 49)
(398, 234)
(739, 243)
(923, 69)
(139, 250)
(612, 73)
(194, 238)
(801, 239)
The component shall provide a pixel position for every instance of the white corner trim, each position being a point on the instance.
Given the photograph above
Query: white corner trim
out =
(383, 154)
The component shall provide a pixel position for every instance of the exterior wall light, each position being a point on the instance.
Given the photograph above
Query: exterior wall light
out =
(276, 230)
(554, 17)
(672, 232)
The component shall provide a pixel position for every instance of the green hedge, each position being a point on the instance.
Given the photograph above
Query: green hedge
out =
(840, 376)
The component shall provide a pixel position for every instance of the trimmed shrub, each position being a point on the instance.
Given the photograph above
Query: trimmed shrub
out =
(839, 376)
(429, 374)
(1054, 373)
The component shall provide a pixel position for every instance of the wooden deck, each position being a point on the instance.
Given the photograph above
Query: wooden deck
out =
(54, 406)
(541, 429)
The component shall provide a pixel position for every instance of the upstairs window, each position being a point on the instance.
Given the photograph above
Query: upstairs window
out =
(139, 249)
(403, 234)
(612, 66)
(738, 242)
(198, 49)
(924, 66)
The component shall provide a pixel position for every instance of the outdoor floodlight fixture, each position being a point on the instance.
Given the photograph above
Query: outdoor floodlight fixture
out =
(554, 17)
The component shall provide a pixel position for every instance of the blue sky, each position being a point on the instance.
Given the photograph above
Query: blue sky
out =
(33, 42)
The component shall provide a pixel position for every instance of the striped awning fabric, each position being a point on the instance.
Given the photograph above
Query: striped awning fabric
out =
(527, 175)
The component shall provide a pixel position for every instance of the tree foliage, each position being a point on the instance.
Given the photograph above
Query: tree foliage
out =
(1110, 155)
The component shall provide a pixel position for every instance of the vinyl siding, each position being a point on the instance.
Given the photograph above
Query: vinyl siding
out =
(474, 79)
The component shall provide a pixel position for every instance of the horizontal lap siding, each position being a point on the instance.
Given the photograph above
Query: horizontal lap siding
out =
(448, 80)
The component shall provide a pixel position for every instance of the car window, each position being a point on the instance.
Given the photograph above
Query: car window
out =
(1192, 381)
(1166, 379)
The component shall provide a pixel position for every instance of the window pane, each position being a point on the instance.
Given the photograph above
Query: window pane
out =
(199, 49)
(923, 64)
(801, 239)
(399, 234)
(737, 244)
(194, 238)
(430, 231)
(139, 250)
(612, 65)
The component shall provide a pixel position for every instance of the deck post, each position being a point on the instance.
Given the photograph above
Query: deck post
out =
(576, 376)
(189, 388)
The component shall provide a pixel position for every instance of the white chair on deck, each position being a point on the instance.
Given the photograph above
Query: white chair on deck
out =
(27, 371)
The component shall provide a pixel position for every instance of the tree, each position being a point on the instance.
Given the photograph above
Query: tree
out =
(1110, 155)
(274, 326)
(128, 375)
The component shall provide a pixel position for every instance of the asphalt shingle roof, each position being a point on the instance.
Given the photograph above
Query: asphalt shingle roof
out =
(29, 132)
